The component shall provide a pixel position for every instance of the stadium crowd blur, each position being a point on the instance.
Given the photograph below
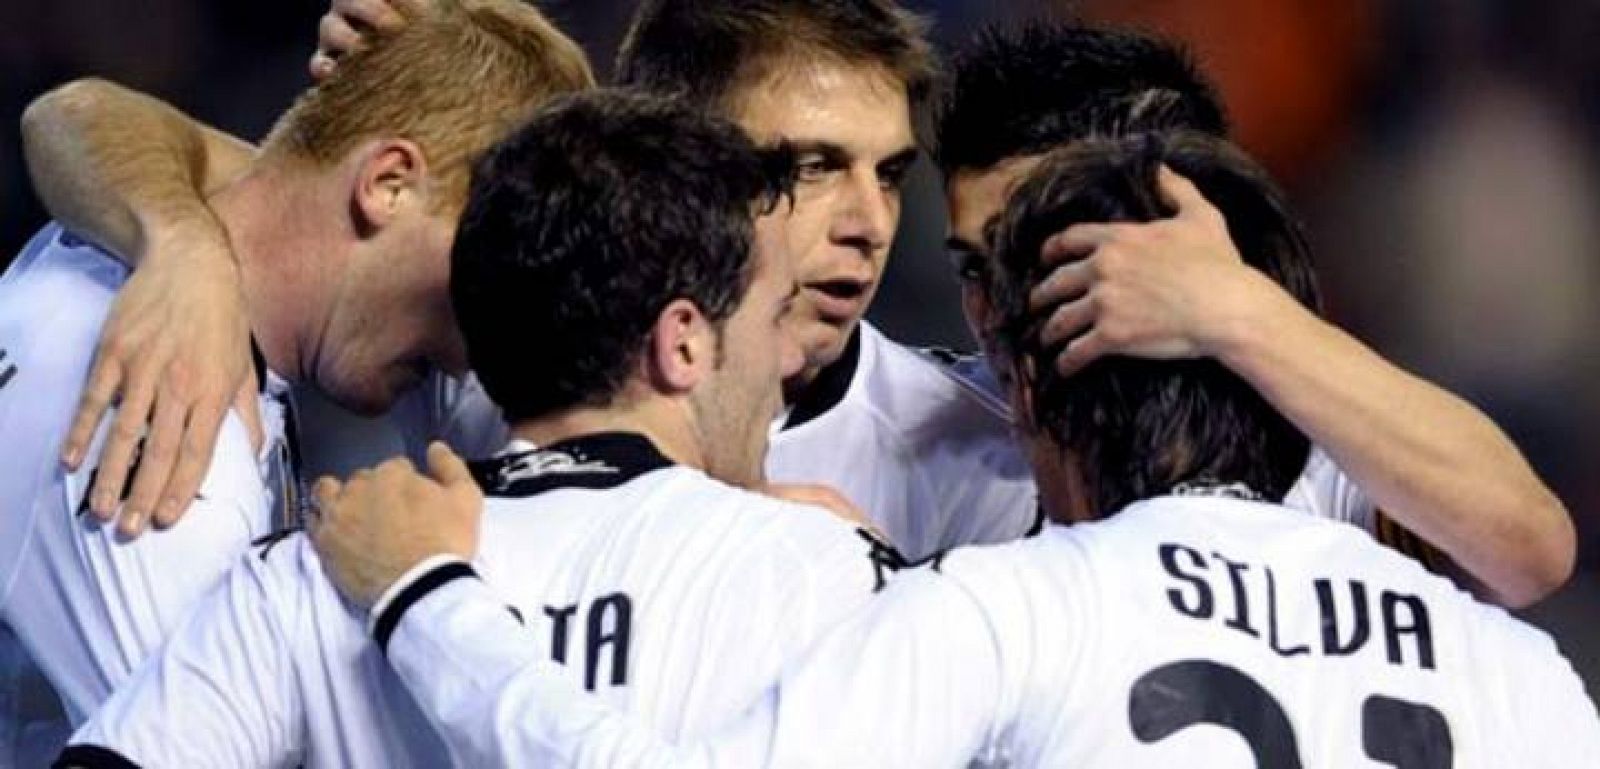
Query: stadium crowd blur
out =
(1444, 153)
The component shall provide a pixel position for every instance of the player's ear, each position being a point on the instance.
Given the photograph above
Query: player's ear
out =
(391, 178)
(683, 347)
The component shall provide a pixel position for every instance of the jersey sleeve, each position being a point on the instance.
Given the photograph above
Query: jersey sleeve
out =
(220, 693)
(912, 681)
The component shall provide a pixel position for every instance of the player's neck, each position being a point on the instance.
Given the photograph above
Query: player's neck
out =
(275, 224)
(672, 435)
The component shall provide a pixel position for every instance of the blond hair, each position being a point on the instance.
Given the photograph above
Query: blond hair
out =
(454, 80)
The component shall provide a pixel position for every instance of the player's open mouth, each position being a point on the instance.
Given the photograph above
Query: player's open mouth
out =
(839, 300)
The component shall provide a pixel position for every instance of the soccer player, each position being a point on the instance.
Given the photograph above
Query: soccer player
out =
(1436, 466)
(923, 447)
(623, 304)
(1168, 593)
(360, 182)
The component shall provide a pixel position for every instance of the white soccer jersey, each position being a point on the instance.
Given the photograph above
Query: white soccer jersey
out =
(670, 594)
(921, 441)
(86, 606)
(1193, 631)
(929, 456)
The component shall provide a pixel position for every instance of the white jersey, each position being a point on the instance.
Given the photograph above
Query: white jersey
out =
(87, 606)
(929, 456)
(667, 593)
(1184, 631)
(921, 441)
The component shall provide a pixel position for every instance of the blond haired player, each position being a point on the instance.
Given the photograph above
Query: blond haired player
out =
(343, 226)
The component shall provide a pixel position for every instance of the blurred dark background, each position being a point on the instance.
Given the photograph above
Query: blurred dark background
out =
(1442, 151)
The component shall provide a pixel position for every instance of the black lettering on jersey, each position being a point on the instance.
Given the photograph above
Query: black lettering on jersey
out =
(1332, 646)
(516, 614)
(1174, 697)
(1272, 621)
(610, 624)
(1417, 626)
(7, 371)
(559, 630)
(886, 560)
(1344, 630)
(1409, 735)
(1241, 598)
(1203, 601)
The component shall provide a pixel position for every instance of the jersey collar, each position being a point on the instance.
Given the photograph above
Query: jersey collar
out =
(596, 461)
(830, 386)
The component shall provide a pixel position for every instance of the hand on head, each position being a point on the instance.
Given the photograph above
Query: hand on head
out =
(1160, 289)
(349, 24)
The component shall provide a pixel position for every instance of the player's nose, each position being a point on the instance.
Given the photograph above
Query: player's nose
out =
(866, 219)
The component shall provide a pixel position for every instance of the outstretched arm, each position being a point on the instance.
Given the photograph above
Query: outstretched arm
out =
(130, 173)
(912, 680)
(1435, 464)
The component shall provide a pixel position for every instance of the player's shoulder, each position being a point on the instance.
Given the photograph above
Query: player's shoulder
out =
(907, 382)
(53, 301)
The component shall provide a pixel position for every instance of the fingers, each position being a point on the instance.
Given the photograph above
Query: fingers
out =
(336, 37)
(156, 459)
(104, 379)
(1184, 197)
(452, 472)
(321, 66)
(122, 444)
(1069, 321)
(1081, 352)
(1066, 283)
(1078, 241)
(380, 15)
(247, 405)
(194, 459)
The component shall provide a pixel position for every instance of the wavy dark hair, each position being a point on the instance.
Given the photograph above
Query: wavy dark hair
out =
(1027, 88)
(1139, 427)
(582, 226)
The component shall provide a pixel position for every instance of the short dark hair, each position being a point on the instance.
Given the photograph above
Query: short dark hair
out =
(707, 51)
(1023, 90)
(582, 226)
(1139, 427)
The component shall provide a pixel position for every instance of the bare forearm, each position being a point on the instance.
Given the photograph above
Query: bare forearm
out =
(124, 169)
(1428, 459)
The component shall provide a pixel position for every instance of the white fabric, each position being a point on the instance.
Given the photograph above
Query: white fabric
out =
(924, 447)
(931, 460)
(720, 588)
(87, 606)
(1030, 654)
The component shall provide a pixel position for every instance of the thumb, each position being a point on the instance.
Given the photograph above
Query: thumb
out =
(1181, 193)
(449, 470)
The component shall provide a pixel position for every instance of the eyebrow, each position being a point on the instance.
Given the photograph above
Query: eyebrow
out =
(905, 156)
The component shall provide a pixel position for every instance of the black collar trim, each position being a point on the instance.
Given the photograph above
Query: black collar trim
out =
(830, 386)
(597, 461)
(259, 361)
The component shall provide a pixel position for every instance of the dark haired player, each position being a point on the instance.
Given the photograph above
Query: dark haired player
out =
(1437, 467)
(925, 448)
(1169, 593)
(642, 248)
